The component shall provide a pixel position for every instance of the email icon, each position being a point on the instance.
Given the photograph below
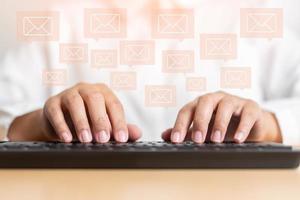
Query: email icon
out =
(178, 61)
(105, 23)
(137, 52)
(261, 22)
(73, 53)
(160, 95)
(235, 77)
(104, 58)
(38, 26)
(173, 23)
(123, 80)
(195, 84)
(54, 77)
(218, 46)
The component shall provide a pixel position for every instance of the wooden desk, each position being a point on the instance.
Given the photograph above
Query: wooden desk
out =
(149, 184)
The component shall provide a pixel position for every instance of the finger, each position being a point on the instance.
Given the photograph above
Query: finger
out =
(223, 116)
(203, 114)
(166, 135)
(183, 122)
(116, 115)
(249, 116)
(75, 105)
(56, 118)
(134, 132)
(97, 113)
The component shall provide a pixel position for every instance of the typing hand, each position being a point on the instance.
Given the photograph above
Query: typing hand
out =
(89, 111)
(218, 116)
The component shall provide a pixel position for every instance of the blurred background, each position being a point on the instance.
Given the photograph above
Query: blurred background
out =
(8, 10)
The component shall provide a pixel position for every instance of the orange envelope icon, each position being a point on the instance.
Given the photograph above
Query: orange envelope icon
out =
(38, 26)
(218, 46)
(54, 77)
(235, 77)
(104, 58)
(73, 53)
(105, 23)
(160, 95)
(261, 22)
(123, 80)
(137, 52)
(196, 84)
(173, 23)
(178, 61)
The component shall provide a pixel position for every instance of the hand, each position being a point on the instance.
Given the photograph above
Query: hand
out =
(84, 112)
(220, 116)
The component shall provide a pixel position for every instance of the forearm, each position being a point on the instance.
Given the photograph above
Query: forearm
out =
(27, 127)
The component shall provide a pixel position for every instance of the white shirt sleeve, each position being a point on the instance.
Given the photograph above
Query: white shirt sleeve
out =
(281, 87)
(20, 84)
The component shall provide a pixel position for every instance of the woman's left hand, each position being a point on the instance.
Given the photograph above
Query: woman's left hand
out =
(220, 116)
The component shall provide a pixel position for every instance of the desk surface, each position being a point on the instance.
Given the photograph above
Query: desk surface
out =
(149, 184)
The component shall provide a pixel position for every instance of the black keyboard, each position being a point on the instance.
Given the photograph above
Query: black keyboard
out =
(147, 155)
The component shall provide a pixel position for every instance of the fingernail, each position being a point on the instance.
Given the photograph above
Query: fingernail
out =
(175, 137)
(198, 137)
(239, 136)
(86, 136)
(102, 137)
(217, 136)
(122, 136)
(66, 137)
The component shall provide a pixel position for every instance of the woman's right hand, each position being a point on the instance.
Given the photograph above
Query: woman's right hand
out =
(85, 112)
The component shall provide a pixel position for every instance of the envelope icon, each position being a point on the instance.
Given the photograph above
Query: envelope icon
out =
(235, 77)
(173, 23)
(73, 53)
(38, 26)
(261, 22)
(137, 52)
(160, 95)
(104, 58)
(52, 77)
(196, 84)
(218, 46)
(123, 80)
(178, 61)
(108, 23)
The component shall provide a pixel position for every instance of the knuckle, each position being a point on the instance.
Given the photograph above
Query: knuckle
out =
(50, 107)
(252, 115)
(81, 124)
(227, 102)
(205, 99)
(220, 125)
(116, 104)
(251, 103)
(100, 121)
(72, 99)
(180, 125)
(51, 110)
(94, 96)
(200, 120)
(183, 110)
